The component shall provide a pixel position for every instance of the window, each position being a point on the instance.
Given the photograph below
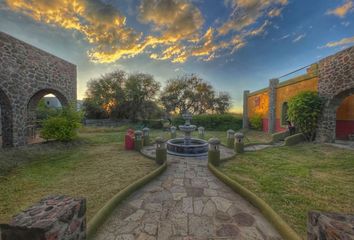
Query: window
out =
(284, 114)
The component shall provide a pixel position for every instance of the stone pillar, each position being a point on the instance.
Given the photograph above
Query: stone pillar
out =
(138, 143)
(54, 217)
(201, 132)
(146, 137)
(245, 123)
(173, 130)
(239, 145)
(214, 151)
(161, 151)
(230, 138)
(273, 83)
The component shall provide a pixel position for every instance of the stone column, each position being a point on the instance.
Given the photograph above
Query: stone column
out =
(239, 145)
(54, 217)
(245, 109)
(146, 137)
(138, 143)
(230, 138)
(273, 83)
(161, 151)
(201, 132)
(214, 151)
(173, 132)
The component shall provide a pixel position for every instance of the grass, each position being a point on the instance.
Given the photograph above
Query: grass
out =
(95, 167)
(294, 180)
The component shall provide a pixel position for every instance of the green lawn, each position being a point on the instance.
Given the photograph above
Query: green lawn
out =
(95, 167)
(294, 180)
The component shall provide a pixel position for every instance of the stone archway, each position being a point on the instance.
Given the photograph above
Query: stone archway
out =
(336, 82)
(329, 117)
(31, 121)
(27, 74)
(6, 120)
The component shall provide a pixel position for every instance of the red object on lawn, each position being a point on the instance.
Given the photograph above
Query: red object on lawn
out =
(129, 140)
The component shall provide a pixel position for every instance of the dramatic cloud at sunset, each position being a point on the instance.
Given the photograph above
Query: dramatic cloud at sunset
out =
(176, 27)
(233, 44)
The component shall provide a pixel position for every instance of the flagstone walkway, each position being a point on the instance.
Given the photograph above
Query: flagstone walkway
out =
(186, 202)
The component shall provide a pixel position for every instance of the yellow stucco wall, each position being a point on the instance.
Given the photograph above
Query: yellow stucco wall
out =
(346, 110)
(258, 104)
(285, 93)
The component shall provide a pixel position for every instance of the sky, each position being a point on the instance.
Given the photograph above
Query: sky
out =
(235, 45)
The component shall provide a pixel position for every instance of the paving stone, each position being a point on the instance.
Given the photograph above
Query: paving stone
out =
(150, 228)
(178, 196)
(125, 237)
(228, 230)
(244, 219)
(209, 209)
(153, 207)
(194, 191)
(198, 207)
(210, 192)
(221, 204)
(135, 216)
(186, 202)
(187, 206)
(201, 227)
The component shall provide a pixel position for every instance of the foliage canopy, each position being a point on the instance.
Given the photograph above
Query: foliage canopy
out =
(304, 111)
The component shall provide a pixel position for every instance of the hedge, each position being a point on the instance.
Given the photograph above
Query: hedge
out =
(217, 122)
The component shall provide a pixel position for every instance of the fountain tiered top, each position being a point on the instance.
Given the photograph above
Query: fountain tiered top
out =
(187, 127)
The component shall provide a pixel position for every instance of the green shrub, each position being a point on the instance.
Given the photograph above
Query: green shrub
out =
(304, 111)
(256, 122)
(216, 122)
(153, 123)
(62, 127)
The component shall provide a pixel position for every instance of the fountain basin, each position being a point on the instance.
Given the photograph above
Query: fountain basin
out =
(196, 147)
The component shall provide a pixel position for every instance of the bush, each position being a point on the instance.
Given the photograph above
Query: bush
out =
(62, 127)
(256, 122)
(304, 111)
(216, 122)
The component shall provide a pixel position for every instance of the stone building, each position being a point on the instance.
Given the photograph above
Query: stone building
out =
(26, 75)
(333, 79)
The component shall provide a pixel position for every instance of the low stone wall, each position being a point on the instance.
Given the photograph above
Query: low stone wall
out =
(54, 217)
(330, 226)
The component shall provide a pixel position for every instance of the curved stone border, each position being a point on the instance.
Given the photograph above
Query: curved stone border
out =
(107, 209)
(280, 225)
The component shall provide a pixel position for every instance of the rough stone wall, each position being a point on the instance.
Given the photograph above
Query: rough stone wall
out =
(330, 226)
(336, 82)
(27, 74)
(54, 217)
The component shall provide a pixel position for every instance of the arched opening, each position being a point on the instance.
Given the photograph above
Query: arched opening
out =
(6, 122)
(345, 118)
(43, 104)
(284, 114)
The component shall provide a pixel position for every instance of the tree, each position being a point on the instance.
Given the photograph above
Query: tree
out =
(117, 95)
(140, 93)
(191, 93)
(304, 111)
(104, 94)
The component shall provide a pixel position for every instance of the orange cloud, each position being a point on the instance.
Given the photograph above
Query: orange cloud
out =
(176, 27)
(342, 10)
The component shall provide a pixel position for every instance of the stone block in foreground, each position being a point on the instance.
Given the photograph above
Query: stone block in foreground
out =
(53, 218)
(325, 226)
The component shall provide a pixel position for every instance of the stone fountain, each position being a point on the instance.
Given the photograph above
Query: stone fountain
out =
(187, 146)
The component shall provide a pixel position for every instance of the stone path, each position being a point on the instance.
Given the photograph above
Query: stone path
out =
(186, 202)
